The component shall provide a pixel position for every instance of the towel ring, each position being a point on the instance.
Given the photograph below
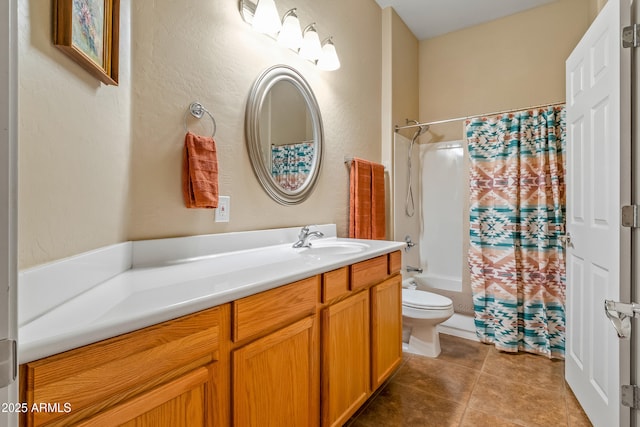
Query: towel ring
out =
(197, 110)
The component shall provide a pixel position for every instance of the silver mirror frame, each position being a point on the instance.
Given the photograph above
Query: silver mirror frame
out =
(263, 84)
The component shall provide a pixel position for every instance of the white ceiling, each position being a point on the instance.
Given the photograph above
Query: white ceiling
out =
(430, 18)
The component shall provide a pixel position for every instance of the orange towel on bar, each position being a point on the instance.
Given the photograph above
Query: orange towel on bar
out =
(366, 200)
(200, 172)
(378, 219)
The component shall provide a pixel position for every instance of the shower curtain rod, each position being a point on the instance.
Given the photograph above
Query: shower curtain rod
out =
(457, 119)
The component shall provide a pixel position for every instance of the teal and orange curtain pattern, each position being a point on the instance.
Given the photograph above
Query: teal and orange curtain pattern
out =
(517, 222)
(291, 164)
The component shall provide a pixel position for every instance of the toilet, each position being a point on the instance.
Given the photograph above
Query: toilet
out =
(422, 312)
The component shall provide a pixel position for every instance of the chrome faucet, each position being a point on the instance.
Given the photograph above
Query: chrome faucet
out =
(416, 269)
(304, 236)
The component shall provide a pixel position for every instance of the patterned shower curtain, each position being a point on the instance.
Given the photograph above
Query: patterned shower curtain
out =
(517, 220)
(291, 164)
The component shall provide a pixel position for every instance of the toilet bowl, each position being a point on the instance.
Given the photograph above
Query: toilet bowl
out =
(422, 312)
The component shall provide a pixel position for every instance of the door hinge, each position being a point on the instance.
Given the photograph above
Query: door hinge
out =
(631, 36)
(630, 396)
(8, 362)
(630, 216)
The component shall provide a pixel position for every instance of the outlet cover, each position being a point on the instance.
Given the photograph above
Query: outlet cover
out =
(222, 211)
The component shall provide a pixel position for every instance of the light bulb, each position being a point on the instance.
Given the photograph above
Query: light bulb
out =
(329, 60)
(266, 19)
(290, 36)
(311, 48)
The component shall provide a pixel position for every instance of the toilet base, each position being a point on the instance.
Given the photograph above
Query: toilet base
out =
(428, 349)
(424, 340)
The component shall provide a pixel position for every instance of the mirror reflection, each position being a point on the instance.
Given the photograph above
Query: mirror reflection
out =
(286, 132)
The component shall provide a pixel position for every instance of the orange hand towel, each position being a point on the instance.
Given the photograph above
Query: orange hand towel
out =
(200, 172)
(378, 219)
(360, 199)
(367, 200)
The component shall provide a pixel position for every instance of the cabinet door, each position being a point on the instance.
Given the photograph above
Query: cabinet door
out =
(345, 358)
(184, 402)
(276, 378)
(108, 373)
(386, 329)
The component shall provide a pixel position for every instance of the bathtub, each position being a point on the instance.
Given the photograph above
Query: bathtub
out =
(453, 284)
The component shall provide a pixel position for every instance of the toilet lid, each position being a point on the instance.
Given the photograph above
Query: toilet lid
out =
(421, 299)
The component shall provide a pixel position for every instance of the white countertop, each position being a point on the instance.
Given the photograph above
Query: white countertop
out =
(156, 289)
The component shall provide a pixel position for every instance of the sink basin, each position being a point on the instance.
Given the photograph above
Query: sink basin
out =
(333, 247)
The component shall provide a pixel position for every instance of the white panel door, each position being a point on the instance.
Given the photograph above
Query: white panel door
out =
(8, 184)
(598, 183)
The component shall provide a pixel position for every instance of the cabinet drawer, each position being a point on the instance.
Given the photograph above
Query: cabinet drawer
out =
(181, 402)
(100, 375)
(267, 310)
(370, 272)
(395, 262)
(335, 284)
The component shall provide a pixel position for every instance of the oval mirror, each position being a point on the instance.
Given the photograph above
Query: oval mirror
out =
(284, 134)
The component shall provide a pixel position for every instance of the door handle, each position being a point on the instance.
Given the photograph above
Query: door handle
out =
(620, 315)
(566, 240)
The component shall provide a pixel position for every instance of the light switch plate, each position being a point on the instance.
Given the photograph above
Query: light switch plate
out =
(222, 211)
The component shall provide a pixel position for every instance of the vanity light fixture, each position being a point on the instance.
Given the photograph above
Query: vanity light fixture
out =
(311, 48)
(263, 16)
(290, 35)
(329, 60)
(266, 18)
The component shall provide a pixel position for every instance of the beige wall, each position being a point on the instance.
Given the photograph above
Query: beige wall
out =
(595, 6)
(208, 53)
(405, 73)
(100, 165)
(513, 62)
(400, 88)
(74, 145)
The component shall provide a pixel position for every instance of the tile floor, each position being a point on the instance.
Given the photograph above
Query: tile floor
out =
(473, 385)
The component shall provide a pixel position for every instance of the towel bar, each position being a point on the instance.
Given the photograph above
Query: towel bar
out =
(197, 110)
(349, 160)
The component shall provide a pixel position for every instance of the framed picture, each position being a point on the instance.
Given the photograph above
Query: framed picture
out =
(87, 31)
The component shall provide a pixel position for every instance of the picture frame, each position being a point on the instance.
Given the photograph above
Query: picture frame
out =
(88, 32)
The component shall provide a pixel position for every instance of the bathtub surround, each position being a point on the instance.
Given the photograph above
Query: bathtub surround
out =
(442, 198)
(444, 265)
(403, 225)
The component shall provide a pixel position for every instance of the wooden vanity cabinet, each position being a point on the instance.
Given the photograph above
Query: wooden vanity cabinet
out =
(183, 402)
(160, 375)
(345, 358)
(361, 334)
(275, 378)
(275, 367)
(305, 354)
(386, 329)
